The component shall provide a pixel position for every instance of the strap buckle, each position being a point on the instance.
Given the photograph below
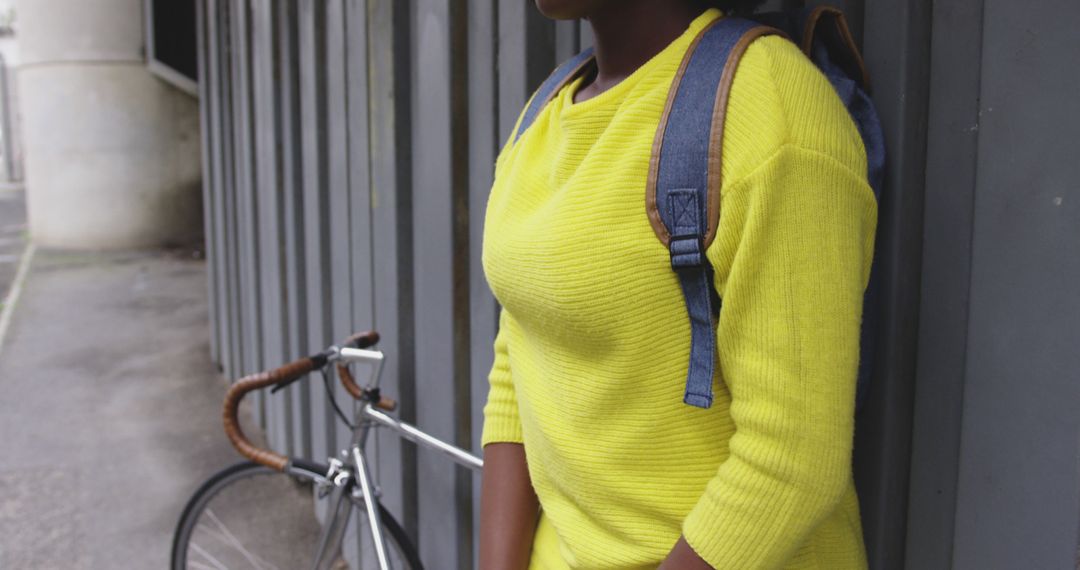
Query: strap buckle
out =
(687, 252)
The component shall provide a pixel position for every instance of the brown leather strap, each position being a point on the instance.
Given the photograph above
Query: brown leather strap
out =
(716, 140)
(842, 33)
(237, 392)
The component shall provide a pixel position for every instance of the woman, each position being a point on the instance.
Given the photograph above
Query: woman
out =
(585, 424)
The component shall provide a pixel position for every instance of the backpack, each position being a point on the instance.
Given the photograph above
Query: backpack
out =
(686, 161)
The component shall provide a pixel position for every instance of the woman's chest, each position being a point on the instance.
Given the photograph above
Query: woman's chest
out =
(568, 247)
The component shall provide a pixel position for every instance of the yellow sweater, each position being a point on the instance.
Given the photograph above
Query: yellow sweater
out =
(591, 355)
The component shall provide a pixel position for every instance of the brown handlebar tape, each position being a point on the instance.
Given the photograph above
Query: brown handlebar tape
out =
(354, 390)
(349, 382)
(237, 392)
(362, 340)
(386, 404)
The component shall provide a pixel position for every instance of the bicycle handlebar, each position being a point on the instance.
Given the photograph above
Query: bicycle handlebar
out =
(357, 392)
(362, 340)
(241, 387)
(281, 377)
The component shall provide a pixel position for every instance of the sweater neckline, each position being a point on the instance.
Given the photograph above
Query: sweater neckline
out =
(616, 93)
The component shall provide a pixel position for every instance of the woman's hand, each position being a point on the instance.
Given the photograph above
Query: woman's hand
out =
(682, 557)
(508, 508)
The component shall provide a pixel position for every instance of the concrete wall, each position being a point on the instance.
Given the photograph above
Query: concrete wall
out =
(9, 50)
(112, 153)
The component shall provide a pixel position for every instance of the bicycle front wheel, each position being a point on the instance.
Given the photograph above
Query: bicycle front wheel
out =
(252, 517)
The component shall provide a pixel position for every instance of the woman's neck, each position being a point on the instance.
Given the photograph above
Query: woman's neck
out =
(628, 33)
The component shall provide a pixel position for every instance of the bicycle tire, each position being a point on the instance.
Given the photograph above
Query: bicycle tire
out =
(398, 541)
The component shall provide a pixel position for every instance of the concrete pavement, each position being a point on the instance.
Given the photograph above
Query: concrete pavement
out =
(109, 410)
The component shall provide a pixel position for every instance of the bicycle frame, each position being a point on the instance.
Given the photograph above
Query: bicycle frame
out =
(352, 472)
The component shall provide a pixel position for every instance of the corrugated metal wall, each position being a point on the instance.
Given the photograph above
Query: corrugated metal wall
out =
(995, 479)
(348, 150)
(349, 147)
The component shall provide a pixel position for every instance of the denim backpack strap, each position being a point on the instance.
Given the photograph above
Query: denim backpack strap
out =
(683, 189)
(564, 74)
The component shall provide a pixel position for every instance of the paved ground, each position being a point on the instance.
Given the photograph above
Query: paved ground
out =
(109, 410)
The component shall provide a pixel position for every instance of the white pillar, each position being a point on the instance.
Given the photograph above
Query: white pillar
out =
(111, 151)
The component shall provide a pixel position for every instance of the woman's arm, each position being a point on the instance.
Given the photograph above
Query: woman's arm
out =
(799, 245)
(508, 504)
(508, 508)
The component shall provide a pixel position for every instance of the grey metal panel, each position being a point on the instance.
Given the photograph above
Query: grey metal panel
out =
(1018, 502)
(526, 57)
(952, 149)
(338, 199)
(461, 411)
(586, 36)
(209, 153)
(567, 39)
(897, 54)
(355, 26)
(359, 167)
(539, 47)
(483, 145)
(293, 212)
(358, 158)
(360, 255)
(248, 290)
(316, 227)
(211, 105)
(271, 275)
(233, 231)
(389, 112)
(226, 194)
(434, 269)
(512, 88)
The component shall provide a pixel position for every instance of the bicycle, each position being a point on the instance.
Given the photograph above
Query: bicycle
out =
(226, 526)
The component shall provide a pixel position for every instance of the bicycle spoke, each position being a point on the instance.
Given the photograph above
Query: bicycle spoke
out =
(202, 552)
(249, 518)
(256, 561)
(224, 536)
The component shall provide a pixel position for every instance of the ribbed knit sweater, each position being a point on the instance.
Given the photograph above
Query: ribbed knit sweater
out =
(592, 350)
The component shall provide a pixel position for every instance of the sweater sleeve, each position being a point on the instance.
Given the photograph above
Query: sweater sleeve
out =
(501, 420)
(792, 260)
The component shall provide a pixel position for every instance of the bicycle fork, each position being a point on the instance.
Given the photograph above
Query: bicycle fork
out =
(341, 504)
(345, 479)
(340, 509)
